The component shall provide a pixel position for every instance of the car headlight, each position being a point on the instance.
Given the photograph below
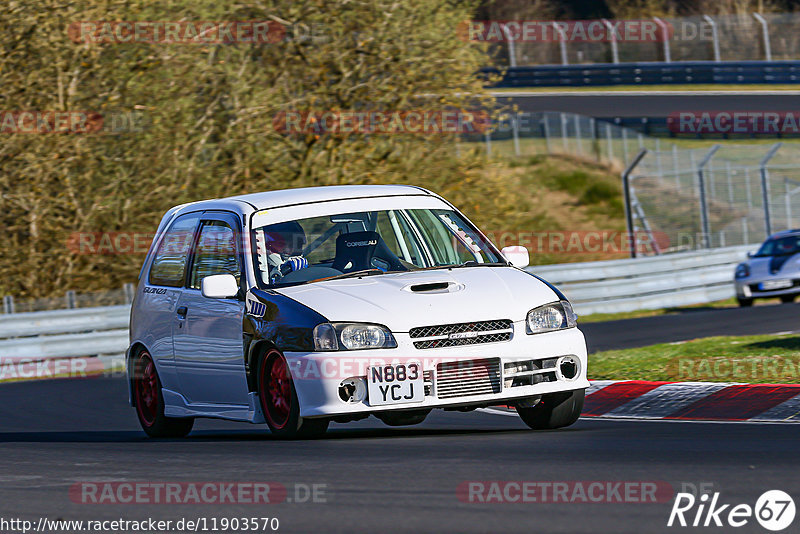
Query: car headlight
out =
(742, 270)
(352, 336)
(551, 317)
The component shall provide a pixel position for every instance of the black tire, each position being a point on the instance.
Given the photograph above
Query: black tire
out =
(149, 402)
(403, 418)
(786, 299)
(745, 303)
(554, 410)
(279, 402)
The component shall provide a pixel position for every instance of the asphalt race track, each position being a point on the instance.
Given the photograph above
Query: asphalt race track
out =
(370, 477)
(649, 103)
(54, 434)
(691, 323)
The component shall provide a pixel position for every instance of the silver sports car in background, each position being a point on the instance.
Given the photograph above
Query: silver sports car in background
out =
(773, 271)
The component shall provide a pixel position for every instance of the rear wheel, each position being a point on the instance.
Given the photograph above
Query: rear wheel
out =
(149, 402)
(554, 410)
(786, 299)
(279, 401)
(745, 303)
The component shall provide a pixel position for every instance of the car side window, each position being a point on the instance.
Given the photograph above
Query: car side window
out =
(215, 253)
(169, 264)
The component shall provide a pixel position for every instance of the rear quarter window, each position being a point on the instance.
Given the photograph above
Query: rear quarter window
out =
(169, 263)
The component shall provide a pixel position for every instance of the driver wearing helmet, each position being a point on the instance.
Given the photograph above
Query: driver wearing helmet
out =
(284, 242)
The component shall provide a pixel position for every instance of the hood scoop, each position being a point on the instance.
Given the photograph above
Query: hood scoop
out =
(434, 287)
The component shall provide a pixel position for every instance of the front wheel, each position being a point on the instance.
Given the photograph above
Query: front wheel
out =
(745, 303)
(149, 402)
(279, 401)
(554, 410)
(786, 299)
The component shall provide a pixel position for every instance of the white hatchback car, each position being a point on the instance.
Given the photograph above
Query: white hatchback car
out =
(305, 306)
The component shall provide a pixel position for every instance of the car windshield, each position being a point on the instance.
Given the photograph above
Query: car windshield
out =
(367, 243)
(780, 246)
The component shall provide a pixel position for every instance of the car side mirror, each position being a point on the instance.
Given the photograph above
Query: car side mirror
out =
(219, 286)
(750, 254)
(517, 256)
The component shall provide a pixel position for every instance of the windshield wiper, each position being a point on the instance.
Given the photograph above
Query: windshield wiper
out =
(470, 263)
(473, 263)
(365, 272)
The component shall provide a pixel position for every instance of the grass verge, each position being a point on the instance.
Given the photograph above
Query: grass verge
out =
(766, 359)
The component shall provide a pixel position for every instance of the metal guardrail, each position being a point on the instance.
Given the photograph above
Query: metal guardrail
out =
(110, 342)
(63, 321)
(647, 283)
(593, 287)
(650, 73)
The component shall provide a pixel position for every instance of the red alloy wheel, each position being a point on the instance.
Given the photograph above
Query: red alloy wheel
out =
(146, 389)
(275, 386)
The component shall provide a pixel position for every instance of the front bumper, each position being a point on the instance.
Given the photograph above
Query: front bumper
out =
(317, 375)
(749, 288)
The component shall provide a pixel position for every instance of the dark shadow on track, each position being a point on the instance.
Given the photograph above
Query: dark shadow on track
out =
(257, 435)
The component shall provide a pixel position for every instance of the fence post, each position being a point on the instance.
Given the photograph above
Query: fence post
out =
(664, 38)
(675, 167)
(562, 43)
(625, 145)
(714, 36)
(659, 168)
(788, 201)
(564, 132)
(626, 188)
(546, 132)
(765, 185)
(71, 301)
(747, 186)
(8, 304)
(701, 186)
(730, 183)
(576, 119)
(488, 136)
(128, 290)
(765, 34)
(745, 236)
(613, 41)
(515, 133)
(512, 53)
(608, 143)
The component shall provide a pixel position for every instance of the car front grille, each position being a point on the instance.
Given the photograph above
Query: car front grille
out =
(467, 378)
(451, 335)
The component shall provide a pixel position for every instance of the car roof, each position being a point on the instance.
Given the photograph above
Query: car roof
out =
(302, 195)
(308, 195)
(786, 233)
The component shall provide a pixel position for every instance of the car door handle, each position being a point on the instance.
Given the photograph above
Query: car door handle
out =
(182, 312)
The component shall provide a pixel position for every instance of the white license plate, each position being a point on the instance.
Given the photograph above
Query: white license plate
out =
(395, 384)
(775, 284)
